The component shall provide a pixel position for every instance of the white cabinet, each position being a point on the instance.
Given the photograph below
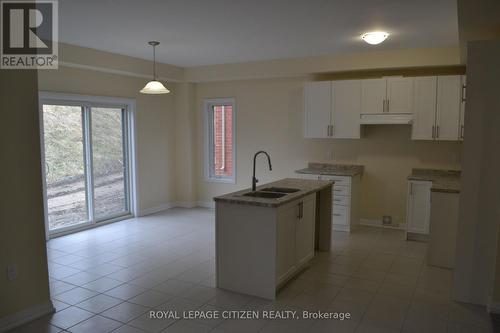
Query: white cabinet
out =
(449, 95)
(387, 95)
(373, 96)
(318, 108)
(399, 95)
(418, 207)
(295, 237)
(346, 109)
(332, 109)
(304, 232)
(345, 200)
(438, 108)
(424, 107)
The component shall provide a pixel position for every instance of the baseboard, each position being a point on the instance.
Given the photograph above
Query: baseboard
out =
(185, 204)
(157, 209)
(26, 315)
(379, 224)
(206, 204)
(493, 307)
(182, 204)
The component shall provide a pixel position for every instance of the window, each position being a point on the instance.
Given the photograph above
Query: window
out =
(86, 160)
(220, 152)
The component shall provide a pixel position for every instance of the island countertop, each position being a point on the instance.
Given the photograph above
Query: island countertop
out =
(306, 186)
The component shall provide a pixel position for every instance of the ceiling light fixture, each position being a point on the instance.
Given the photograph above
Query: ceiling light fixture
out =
(154, 87)
(375, 37)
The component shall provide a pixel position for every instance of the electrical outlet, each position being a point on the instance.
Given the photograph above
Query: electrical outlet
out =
(12, 272)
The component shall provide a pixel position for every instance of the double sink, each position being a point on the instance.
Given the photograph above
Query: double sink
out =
(271, 192)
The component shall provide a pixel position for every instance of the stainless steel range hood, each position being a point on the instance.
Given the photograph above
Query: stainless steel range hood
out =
(386, 119)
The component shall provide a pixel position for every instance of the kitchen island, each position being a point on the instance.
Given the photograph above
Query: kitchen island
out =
(266, 237)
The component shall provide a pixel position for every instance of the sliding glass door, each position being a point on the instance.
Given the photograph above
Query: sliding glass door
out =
(86, 164)
(109, 161)
(65, 167)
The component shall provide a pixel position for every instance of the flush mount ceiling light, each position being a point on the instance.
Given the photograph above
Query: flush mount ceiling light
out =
(154, 87)
(375, 37)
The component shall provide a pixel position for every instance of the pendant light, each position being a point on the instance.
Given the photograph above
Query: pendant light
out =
(154, 87)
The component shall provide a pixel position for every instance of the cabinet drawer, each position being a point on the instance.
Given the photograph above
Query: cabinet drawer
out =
(339, 180)
(339, 215)
(341, 190)
(340, 200)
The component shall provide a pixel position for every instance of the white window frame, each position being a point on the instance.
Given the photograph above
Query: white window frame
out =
(87, 101)
(208, 151)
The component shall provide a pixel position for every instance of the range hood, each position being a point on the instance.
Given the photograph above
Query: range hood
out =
(386, 119)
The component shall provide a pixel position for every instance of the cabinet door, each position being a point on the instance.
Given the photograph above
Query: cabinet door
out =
(399, 95)
(419, 206)
(317, 109)
(346, 109)
(462, 110)
(373, 94)
(448, 107)
(424, 108)
(305, 232)
(285, 242)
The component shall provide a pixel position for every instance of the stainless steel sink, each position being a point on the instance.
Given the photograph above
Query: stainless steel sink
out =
(280, 189)
(262, 194)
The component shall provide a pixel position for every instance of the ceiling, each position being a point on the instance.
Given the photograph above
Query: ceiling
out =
(206, 32)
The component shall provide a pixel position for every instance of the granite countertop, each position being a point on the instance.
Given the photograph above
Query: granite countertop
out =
(306, 187)
(447, 181)
(332, 169)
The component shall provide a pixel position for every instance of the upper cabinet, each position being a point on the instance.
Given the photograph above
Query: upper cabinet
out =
(387, 95)
(336, 109)
(317, 106)
(346, 108)
(449, 90)
(332, 109)
(437, 108)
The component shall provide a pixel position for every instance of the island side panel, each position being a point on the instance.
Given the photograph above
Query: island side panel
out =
(245, 249)
(324, 219)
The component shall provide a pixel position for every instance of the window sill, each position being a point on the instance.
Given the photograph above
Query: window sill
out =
(220, 180)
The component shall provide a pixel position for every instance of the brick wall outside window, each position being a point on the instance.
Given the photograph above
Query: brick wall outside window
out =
(223, 159)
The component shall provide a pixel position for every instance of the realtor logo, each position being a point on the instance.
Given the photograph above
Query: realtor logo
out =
(29, 35)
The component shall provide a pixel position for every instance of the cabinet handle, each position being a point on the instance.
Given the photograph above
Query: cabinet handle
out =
(463, 93)
(336, 214)
(437, 131)
(383, 105)
(327, 130)
(411, 188)
(388, 105)
(301, 205)
(462, 132)
(433, 131)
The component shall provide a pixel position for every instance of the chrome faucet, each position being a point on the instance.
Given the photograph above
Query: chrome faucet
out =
(255, 180)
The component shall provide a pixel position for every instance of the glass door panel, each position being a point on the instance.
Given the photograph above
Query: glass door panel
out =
(109, 161)
(65, 172)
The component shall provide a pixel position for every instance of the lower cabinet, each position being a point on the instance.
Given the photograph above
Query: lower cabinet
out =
(295, 237)
(418, 209)
(345, 200)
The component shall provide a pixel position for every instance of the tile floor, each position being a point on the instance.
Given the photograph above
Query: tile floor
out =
(107, 279)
